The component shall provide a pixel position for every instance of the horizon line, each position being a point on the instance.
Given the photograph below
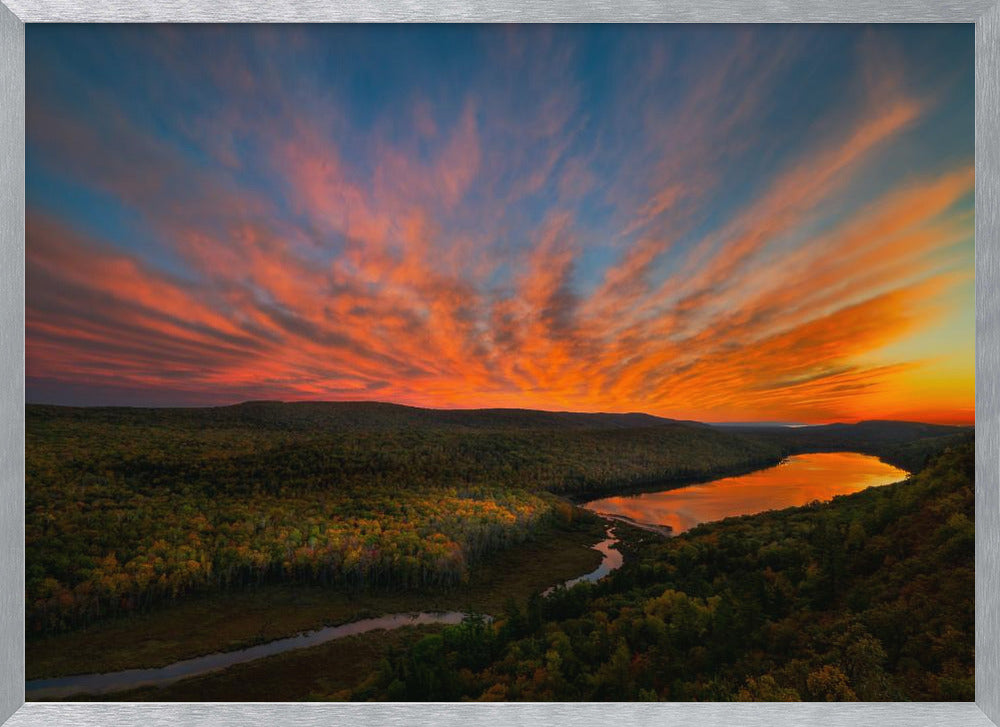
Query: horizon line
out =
(762, 422)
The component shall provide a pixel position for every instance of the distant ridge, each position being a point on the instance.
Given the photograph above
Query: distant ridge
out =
(386, 415)
(871, 430)
(372, 415)
(375, 411)
(728, 425)
(905, 444)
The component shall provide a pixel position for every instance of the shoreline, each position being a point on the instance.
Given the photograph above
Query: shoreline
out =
(103, 683)
(665, 530)
(232, 621)
(580, 498)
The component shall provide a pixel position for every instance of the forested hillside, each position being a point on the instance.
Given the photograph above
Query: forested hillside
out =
(869, 597)
(342, 415)
(130, 508)
(905, 444)
(127, 508)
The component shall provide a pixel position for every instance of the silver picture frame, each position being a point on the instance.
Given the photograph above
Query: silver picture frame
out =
(985, 14)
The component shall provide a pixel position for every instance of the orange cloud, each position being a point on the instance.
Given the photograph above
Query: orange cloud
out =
(447, 268)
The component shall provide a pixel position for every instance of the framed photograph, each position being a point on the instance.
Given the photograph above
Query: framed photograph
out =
(573, 364)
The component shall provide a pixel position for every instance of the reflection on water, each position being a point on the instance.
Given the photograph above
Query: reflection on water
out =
(611, 560)
(132, 678)
(798, 480)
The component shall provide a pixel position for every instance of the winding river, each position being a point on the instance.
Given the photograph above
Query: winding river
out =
(612, 559)
(110, 682)
(131, 678)
(797, 480)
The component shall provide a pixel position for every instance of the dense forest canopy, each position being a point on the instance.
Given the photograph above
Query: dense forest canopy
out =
(127, 508)
(131, 509)
(869, 597)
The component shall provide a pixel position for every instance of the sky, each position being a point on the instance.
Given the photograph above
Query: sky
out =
(721, 223)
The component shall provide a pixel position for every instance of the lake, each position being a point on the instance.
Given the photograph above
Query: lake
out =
(797, 480)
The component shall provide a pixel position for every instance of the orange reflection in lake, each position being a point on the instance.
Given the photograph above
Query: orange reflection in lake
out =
(798, 480)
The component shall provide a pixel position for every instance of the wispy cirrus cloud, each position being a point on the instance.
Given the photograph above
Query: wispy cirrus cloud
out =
(709, 225)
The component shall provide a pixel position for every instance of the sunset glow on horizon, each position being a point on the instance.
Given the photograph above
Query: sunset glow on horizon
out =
(719, 223)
